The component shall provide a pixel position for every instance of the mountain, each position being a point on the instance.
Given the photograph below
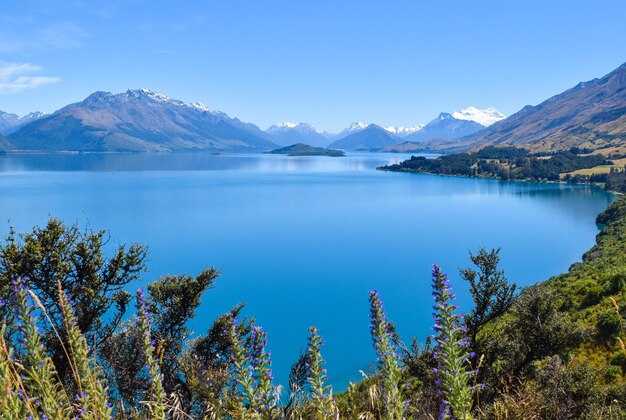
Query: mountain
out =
(372, 137)
(11, 122)
(445, 126)
(591, 115)
(288, 133)
(353, 128)
(404, 131)
(138, 121)
(484, 117)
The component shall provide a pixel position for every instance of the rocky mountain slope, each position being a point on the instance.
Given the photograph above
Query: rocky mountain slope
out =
(11, 122)
(372, 137)
(138, 121)
(288, 133)
(591, 115)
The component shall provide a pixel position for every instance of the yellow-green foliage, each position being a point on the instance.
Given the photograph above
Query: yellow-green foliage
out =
(592, 290)
(92, 395)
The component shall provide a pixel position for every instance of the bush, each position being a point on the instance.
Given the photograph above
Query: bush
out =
(608, 325)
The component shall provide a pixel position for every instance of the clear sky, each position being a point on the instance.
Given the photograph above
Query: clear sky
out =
(324, 62)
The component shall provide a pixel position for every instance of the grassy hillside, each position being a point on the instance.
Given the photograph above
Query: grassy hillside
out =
(593, 293)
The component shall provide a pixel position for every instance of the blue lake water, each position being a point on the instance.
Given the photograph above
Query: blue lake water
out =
(301, 240)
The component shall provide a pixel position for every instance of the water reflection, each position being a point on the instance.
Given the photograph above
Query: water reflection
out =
(198, 161)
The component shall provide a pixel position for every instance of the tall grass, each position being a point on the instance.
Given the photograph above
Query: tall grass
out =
(31, 387)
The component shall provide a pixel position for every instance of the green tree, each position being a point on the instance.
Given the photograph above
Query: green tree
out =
(171, 302)
(490, 289)
(535, 329)
(60, 253)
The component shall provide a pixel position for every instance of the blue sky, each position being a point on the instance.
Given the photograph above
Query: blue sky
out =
(325, 62)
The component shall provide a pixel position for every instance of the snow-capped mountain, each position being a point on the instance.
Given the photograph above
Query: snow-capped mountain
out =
(353, 128)
(138, 120)
(457, 124)
(404, 131)
(590, 115)
(11, 122)
(372, 137)
(147, 94)
(288, 133)
(484, 117)
(283, 126)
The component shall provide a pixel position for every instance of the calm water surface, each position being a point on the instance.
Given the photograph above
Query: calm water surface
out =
(301, 240)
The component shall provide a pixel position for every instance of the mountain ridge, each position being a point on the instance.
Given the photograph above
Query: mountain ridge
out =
(288, 133)
(10, 122)
(590, 115)
(138, 120)
(445, 126)
(372, 137)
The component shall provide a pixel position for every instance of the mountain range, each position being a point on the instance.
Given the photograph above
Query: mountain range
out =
(591, 115)
(138, 121)
(11, 122)
(448, 126)
(372, 137)
(288, 133)
(445, 126)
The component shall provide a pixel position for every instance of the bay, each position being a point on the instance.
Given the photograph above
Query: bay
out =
(301, 240)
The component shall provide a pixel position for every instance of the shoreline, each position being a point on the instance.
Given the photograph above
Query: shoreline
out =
(525, 180)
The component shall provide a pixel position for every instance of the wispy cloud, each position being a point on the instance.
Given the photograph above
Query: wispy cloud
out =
(26, 34)
(16, 77)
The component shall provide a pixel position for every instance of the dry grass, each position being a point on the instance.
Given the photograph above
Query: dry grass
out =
(610, 150)
(600, 169)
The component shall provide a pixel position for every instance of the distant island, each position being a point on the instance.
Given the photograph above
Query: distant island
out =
(301, 149)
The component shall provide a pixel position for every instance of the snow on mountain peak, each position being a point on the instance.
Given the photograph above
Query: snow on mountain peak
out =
(356, 126)
(404, 131)
(163, 98)
(484, 117)
(7, 116)
(287, 125)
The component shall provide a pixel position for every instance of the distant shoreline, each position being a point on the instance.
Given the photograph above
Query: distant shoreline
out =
(526, 181)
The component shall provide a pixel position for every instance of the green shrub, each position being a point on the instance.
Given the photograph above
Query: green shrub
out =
(608, 325)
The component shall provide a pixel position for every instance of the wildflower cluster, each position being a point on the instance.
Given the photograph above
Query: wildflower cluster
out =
(321, 395)
(92, 396)
(390, 371)
(451, 352)
(261, 364)
(39, 375)
(253, 372)
(157, 395)
(31, 387)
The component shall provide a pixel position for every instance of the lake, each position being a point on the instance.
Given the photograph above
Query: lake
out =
(302, 240)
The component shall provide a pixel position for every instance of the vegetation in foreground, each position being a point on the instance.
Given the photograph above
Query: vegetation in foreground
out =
(513, 163)
(555, 350)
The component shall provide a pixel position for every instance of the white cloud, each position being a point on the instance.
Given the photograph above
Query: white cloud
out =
(16, 77)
